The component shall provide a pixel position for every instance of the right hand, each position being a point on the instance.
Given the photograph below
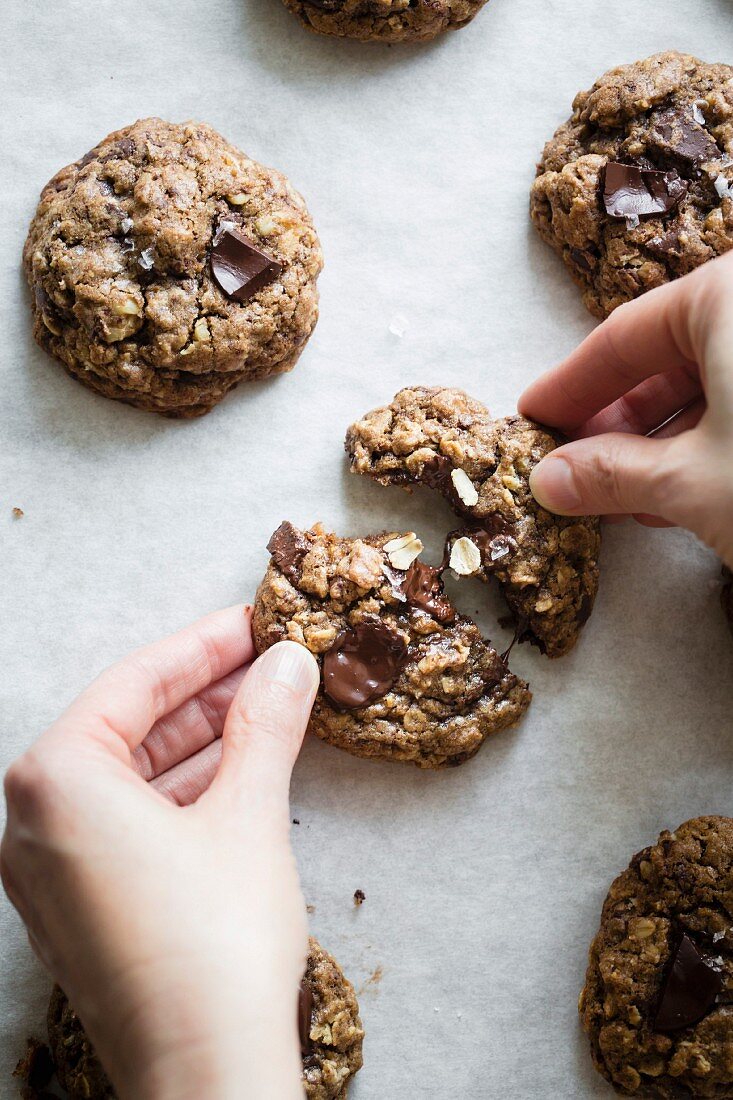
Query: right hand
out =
(647, 399)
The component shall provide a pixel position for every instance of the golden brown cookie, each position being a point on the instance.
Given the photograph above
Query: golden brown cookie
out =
(658, 998)
(636, 188)
(403, 675)
(166, 267)
(384, 20)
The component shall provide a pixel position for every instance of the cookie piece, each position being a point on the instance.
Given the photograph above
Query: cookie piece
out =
(636, 188)
(384, 20)
(727, 596)
(546, 565)
(166, 267)
(404, 676)
(331, 1036)
(659, 986)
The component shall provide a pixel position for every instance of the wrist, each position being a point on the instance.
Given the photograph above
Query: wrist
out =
(220, 1051)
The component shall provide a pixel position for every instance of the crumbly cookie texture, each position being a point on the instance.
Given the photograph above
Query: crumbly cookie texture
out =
(336, 1032)
(119, 262)
(670, 113)
(384, 20)
(546, 565)
(331, 1052)
(439, 688)
(675, 900)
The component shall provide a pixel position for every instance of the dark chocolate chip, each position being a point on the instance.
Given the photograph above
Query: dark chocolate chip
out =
(239, 267)
(362, 664)
(436, 473)
(583, 259)
(681, 137)
(689, 989)
(305, 1016)
(423, 588)
(288, 547)
(630, 192)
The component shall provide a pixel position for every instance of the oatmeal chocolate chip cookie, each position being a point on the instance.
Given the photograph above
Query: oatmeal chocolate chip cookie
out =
(636, 189)
(546, 565)
(404, 676)
(384, 20)
(166, 267)
(658, 996)
(331, 1036)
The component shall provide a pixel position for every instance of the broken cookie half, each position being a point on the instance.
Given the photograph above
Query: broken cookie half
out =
(546, 565)
(403, 675)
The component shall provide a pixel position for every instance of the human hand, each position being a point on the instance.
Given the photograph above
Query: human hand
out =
(662, 364)
(149, 856)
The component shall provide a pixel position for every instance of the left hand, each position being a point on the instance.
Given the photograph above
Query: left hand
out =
(149, 857)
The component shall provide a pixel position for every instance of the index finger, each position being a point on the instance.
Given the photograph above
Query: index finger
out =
(665, 329)
(123, 703)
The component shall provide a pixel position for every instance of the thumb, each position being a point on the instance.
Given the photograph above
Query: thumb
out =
(607, 474)
(266, 723)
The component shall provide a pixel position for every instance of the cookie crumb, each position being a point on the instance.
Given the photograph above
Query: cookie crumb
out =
(18, 513)
(359, 897)
(296, 821)
(310, 908)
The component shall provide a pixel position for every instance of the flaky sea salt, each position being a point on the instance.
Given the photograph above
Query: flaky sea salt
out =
(632, 221)
(146, 259)
(697, 114)
(398, 325)
(723, 188)
(126, 225)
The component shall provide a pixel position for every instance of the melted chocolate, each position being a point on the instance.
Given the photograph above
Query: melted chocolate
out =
(288, 547)
(423, 588)
(239, 267)
(491, 534)
(362, 664)
(689, 990)
(629, 191)
(305, 1015)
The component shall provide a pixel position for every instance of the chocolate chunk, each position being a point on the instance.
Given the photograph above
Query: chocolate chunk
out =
(689, 990)
(630, 192)
(683, 138)
(239, 267)
(305, 1016)
(668, 245)
(423, 588)
(288, 547)
(585, 260)
(362, 664)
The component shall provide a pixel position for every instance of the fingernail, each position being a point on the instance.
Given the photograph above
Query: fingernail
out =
(553, 485)
(290, 664)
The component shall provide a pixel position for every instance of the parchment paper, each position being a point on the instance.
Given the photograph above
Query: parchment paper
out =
(483, 884)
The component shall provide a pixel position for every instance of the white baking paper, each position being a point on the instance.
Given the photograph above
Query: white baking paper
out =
(483, 884)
